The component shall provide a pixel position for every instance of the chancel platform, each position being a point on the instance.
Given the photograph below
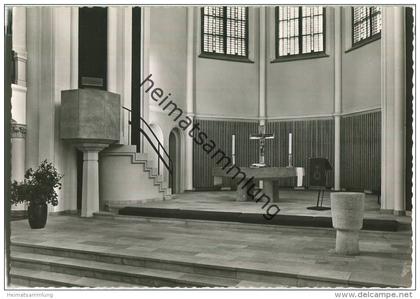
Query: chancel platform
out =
(223, 206)
(133, 252)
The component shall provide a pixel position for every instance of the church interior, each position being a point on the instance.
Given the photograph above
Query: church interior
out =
(204, 146)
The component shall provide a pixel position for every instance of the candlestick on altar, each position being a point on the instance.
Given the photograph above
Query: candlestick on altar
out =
(233, 150)
(290, 150)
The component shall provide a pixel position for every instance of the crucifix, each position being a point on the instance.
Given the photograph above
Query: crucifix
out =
(261, 137)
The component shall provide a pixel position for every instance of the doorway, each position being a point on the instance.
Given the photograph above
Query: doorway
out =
(79, 158)
(175, 156)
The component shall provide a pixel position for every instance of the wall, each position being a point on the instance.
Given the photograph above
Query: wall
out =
(296, 89)
(361, 71)
(362, 78)
(49, 71)
(228, 88)
(168, 66)
(311, 138)
(221, 131)
(300, 87)
(361, 96)
(223, 89)
(168, 51)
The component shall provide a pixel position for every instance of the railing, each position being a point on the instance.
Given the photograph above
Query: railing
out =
(159, 150)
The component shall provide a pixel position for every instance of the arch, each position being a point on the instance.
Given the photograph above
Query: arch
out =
(177, 153)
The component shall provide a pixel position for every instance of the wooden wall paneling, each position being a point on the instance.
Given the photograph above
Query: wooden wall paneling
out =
(221, 132)
(361, 151)
(360, 148)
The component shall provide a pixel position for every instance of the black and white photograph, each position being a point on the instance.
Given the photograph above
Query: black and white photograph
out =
(209, 148)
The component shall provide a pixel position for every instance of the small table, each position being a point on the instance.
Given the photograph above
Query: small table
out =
(269, 175)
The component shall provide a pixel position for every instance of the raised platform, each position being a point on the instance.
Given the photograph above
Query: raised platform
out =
(222, 206)
(309, 221)
(134, 252)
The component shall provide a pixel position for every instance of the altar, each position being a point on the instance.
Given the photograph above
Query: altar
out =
(259, 171)
(268, 175)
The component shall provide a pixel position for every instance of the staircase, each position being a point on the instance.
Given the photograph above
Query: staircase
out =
(129, 178)
(45, 266)
(133, 252)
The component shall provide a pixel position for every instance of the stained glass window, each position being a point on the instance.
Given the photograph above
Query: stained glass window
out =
(225, 30)
(299, 30)
(367, 23)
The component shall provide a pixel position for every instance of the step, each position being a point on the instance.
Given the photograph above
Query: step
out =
(116, 272)
(226, 274)
(289, 220)
(38, 278)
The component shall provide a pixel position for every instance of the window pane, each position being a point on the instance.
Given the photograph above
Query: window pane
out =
(236, 30)
(366, 22)
(213, 29)
(300, 27)
(225, 30)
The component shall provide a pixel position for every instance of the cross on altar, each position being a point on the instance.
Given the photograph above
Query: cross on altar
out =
(261, 137)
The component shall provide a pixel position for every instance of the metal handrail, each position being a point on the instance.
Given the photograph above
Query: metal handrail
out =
(168, 164)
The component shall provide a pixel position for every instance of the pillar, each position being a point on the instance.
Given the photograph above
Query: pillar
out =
(262, 69)
(90, 189)
(262, 74)
(393, 109)
(19, 93)
(337, 95)
(74, 50)
(190, 96)
(119, 62)
(399, 110)
(18, 100)
(18, 135)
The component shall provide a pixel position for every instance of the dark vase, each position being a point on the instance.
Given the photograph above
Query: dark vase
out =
(37, 215)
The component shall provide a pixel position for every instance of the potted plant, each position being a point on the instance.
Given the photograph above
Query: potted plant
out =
(37, 190)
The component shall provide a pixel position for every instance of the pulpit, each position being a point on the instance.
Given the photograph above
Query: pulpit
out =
(90, 119)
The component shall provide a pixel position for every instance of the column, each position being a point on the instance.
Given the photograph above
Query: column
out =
(262, 67)
(74, 50)
(393, 110)
(90, 189)
(399, 110)
(18, 100)
(262, 73)
(19, 93)
(18, 135)
(190, 96)
(337, 95)
(119, 61)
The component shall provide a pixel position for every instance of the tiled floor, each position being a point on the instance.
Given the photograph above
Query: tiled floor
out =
(385, 257)
(290, 203)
